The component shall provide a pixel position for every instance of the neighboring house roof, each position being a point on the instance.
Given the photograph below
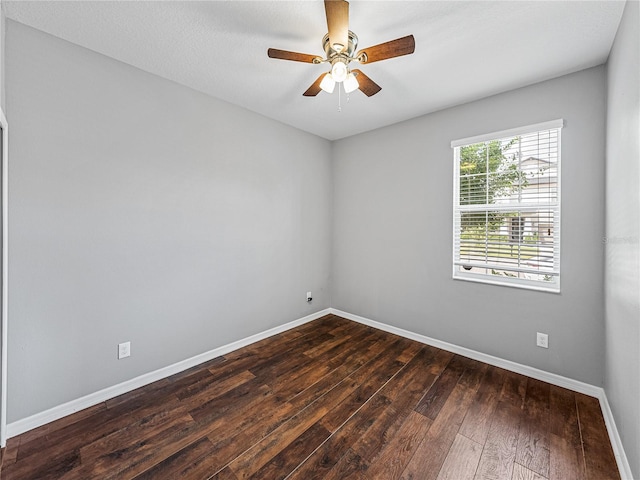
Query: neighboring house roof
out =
(538, 172)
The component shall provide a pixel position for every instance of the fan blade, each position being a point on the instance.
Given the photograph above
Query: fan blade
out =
(394, 48)
(293, 56)
(314, 89)
(338, 22)
(365, 84)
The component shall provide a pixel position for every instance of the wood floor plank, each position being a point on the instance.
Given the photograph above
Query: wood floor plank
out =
(273, 349)
(236, 435)
(404, 391)
(295, 337)
(441, 360)
(370, 378)
(514, 389)
(186, 377)
(54, 468)
(399, 449)
(262, 452)
(209, 388)
(410, 351)
(600, 462)
(49, 429)
(565, 462)
(192, 462)
(349, 327)
(432, 451)
(523, 473)
(89, 429)
(230, 400)
(320, 463)
(10, 452)
(498, 455)
(286, 361)
(350, 467)
(263, 418)
(255, 426)
(462, 460)
(327, 382)
(348, 357)
(478, 419)
(322, 348)
(566, 458)
(433, 401)
(131, 451)
(532, 451)
(330, 399)
(160, 387)
(289, 457)
(473, 373)
(225, 474)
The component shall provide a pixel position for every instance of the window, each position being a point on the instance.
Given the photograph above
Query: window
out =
(506, 207)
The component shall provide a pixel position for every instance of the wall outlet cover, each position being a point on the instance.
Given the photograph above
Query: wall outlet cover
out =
(124, 350)
(542, 340)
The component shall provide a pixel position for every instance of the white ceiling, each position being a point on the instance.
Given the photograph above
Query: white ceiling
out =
(465, 50)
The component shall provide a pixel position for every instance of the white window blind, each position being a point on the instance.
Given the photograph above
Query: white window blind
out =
(507, 207)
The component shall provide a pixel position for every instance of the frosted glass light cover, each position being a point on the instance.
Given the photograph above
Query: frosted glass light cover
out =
(327, 84)
(351, 83)
(339, 71)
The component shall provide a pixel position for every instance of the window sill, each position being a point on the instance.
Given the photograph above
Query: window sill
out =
(506, 283)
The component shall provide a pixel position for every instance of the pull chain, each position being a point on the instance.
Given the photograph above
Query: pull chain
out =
(339, 99)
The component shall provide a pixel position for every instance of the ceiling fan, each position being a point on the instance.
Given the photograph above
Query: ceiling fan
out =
(339, 46)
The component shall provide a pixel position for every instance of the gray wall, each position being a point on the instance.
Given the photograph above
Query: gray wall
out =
(2, 107)
(2, 70)
(393, 193)
(143, 211)
(622, 260)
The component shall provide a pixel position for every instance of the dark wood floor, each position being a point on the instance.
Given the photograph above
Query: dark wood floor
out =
(331, 399)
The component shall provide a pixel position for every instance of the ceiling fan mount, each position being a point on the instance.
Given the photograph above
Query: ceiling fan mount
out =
(340, 45)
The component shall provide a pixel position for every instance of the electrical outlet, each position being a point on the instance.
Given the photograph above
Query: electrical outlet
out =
(309, 297)
(542, 340)
(124, 350)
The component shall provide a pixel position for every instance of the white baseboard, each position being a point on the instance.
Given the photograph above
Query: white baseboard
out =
(23, 425)
(548, 377)
(552, 378)
(55, 413)
(616, 441)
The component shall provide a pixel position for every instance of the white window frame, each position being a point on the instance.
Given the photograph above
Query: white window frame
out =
(458, 273)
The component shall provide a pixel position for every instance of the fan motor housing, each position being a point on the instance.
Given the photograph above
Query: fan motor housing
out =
(351, 48)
